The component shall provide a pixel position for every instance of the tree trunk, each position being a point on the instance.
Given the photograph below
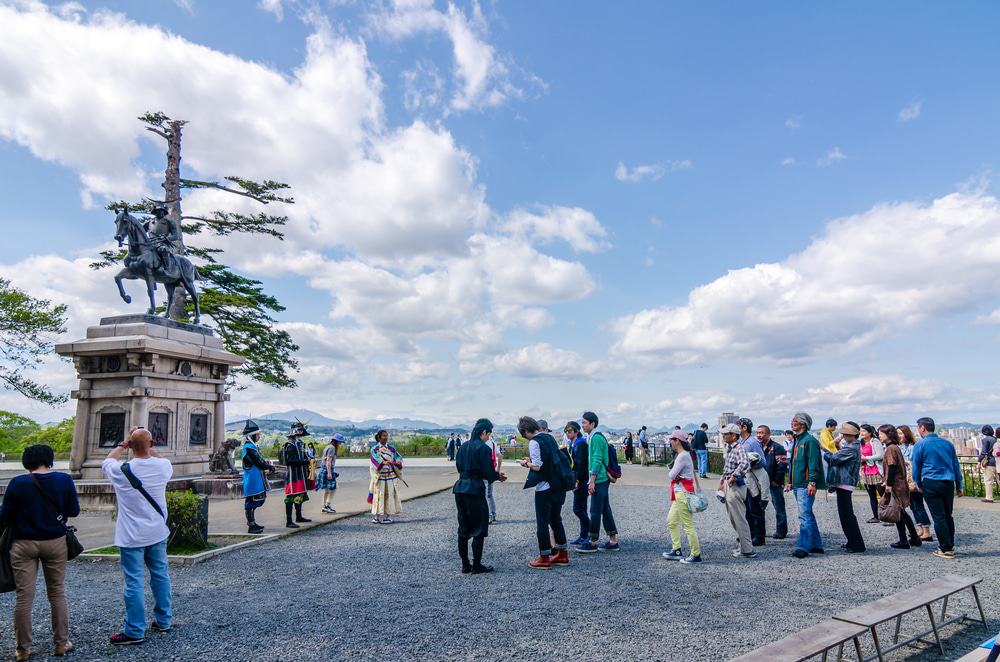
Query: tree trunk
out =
(172, 194)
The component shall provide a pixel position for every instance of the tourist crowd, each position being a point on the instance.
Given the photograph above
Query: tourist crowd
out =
(902, 473)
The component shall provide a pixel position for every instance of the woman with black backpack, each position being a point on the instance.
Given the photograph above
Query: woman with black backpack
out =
(39, 536)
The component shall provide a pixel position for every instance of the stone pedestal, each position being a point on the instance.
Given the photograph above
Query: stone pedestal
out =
(144, 370)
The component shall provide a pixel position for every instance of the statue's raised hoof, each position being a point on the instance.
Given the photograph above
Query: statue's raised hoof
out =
(151, 311)
(127, 299)
(197, 320)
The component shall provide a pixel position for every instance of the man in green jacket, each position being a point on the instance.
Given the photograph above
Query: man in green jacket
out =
(807, 477)
(600, 506)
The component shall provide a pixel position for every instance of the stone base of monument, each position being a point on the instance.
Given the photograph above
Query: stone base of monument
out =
(148, 371)
(219, 486)
(100, 494)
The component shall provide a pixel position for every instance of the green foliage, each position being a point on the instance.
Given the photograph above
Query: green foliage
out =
(13, 429)
(187, 519)
(28, 327)
(59, 436)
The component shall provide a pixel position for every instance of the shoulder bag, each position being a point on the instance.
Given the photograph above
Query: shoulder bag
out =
(136, 484)
(889, 509)
(696, 502)
(73, 546)
(6, 571)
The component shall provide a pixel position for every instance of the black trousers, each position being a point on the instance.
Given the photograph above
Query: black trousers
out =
(580, 495)
(756, 519)
(874, 494)
(906, 524)
(939, 496)
(473, 516)
(548, 514)
(849, 521)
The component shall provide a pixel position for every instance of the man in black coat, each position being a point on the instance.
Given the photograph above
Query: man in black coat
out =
(475, 465)
(776, 464)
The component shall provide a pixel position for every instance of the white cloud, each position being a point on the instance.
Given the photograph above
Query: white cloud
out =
(990, 318)
(422, 87)
(831, 298)
(788, 161)
(542, 360)
(911, 111)
(793, 122)
(186, 5)
(410, 372)
(577, 227)
(483, 78)
(833, 156)
(275, 7)
(652, 172)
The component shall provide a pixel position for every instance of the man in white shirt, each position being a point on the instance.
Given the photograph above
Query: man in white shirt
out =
(497, 453)
(141, 532)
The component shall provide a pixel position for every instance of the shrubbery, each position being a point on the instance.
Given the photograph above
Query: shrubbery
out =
(187, 519)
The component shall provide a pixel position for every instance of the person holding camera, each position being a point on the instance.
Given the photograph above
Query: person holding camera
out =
(733, 488)
(141, 533)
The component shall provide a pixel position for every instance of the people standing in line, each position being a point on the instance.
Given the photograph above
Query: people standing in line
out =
(294, 455)
(36, 506)
(988, 461)
(842, 476)
(628, 444)
(385, 463)
(598, 487)
(682, 484)
(141, 533)
(789, 441)
(872, 474)
(826, 436)
(896, 486)
(643, 446)
(496, 455)
(255, 470)
(937, 474)
(542, 463)
(758, 492)
(700, 446)
(776, 466)
(733, 487)
(476, 469)
(326, 477)
(807, 477)
(920, 516)
(579, 450)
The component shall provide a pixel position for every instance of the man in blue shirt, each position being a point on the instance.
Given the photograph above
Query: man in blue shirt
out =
(700, 446)
(936, 473)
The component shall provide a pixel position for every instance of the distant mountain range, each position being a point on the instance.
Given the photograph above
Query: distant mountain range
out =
(316, 419)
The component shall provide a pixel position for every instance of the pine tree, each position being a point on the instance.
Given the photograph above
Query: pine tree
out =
(241, 310)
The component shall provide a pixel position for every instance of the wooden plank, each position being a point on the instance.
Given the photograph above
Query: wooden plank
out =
(806, 643)
(891, 606)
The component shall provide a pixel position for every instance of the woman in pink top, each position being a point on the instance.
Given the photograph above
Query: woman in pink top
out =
(872, 451)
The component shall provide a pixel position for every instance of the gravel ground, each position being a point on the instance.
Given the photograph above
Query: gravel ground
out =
(360, 591)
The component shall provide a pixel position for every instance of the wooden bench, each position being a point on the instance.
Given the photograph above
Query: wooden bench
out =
(913, 599)
(820, 639)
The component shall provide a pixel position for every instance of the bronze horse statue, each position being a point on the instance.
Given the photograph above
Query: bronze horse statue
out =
(151, 260)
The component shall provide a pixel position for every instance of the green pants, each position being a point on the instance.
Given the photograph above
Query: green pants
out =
(682, 515)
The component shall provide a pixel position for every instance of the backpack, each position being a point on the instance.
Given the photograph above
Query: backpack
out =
(561, 475)
(614, 469)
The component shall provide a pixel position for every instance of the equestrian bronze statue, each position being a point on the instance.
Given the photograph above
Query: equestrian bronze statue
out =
(152, 257)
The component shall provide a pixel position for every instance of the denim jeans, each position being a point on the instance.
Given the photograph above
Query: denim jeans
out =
(548, 515)
(702, 462)
(919, 512)
(600, 507)
(809, 537)
(133, 559)
(780, 516)
(939, 495)
(580, 495)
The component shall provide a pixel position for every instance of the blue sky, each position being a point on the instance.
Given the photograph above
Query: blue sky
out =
(509, 208)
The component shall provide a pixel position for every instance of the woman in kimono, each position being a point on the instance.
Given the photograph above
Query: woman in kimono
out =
(255, 483)
(383, 492)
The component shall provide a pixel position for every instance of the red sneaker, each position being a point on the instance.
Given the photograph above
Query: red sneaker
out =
(541, 563)
(561, 557)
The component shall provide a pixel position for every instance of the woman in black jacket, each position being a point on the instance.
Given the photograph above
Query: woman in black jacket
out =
(30, 506)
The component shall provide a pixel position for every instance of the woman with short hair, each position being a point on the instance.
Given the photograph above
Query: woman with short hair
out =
(871, 468)
(920, 517)
(629, 447)
(36, 506)
(896, 487)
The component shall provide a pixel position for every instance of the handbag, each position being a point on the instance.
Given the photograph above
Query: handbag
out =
(73, 546)
(6, 571)
(696, 502)
(889, 509)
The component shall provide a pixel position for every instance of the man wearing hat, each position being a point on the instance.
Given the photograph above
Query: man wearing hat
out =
(806, 467)
(255, 467)
(297, 483)
(733, 484)
(326, 477)
(845, 467)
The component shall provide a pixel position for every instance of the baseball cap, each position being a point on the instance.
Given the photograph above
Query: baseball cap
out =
(729, 429)
(679, 435)
(543, 424)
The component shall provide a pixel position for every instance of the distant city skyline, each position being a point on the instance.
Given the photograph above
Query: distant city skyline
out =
(655, 211)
